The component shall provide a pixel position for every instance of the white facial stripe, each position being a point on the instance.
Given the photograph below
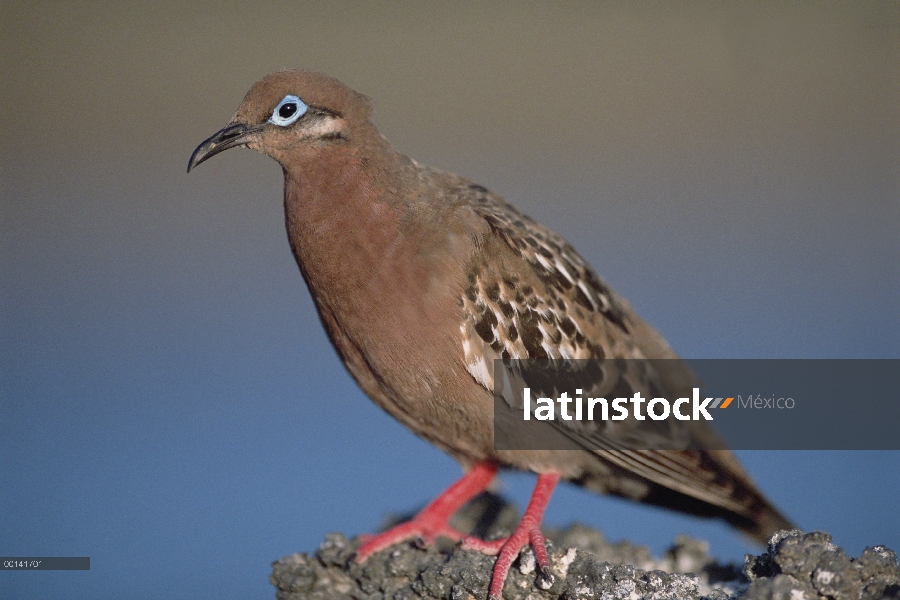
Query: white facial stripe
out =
(324, 126)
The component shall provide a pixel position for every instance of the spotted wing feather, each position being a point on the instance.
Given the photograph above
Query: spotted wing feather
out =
(545, 301)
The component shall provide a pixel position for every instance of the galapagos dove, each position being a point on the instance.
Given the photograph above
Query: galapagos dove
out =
(422, 278)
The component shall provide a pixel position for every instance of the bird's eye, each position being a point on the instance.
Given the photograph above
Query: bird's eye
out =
(288, 111)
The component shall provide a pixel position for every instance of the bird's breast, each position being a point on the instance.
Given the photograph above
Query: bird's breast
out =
(389, 297)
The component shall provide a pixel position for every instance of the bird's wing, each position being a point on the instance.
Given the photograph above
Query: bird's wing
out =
(542, 300)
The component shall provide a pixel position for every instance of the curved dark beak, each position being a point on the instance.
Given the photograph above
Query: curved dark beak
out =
(233, 134)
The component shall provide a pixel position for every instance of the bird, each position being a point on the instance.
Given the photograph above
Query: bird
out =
(422, 278)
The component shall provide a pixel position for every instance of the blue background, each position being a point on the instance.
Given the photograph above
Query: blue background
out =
(169, 404)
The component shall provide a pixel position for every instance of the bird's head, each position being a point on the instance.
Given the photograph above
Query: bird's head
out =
(291, 113)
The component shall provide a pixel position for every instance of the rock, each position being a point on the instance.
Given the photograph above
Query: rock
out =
(796, 566)
(808, 565)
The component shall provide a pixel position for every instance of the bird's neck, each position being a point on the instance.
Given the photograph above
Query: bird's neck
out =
(345, 213)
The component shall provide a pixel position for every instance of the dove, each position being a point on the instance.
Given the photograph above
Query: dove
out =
(422, 279)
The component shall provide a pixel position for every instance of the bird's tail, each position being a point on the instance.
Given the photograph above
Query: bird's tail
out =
(761, 523)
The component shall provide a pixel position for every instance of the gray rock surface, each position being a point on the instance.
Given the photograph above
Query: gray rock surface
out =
(796, 566)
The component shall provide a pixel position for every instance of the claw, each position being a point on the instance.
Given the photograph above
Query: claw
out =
(547, 578)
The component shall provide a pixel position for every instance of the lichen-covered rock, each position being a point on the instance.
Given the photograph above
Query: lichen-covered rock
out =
(796, 566)
(808, 565)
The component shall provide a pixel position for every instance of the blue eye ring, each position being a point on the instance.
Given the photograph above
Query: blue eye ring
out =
(288, 111)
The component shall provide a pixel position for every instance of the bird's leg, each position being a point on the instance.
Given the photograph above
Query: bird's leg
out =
(528, 532)
(432, 521)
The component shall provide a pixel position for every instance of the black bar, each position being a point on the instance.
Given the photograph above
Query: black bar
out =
(45, 563)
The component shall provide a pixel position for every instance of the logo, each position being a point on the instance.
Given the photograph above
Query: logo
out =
(657, 409)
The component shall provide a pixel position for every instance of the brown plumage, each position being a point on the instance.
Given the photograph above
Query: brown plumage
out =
(422, 278)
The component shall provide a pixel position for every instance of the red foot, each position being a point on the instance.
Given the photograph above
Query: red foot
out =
(527, 532)
(431, 523)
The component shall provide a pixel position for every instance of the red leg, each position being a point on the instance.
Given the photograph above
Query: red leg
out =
(431, 522)
(528, 532)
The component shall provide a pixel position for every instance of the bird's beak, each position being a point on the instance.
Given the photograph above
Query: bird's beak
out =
(233, 134)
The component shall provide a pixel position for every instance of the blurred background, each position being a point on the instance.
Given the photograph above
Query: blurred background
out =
(170, 405)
